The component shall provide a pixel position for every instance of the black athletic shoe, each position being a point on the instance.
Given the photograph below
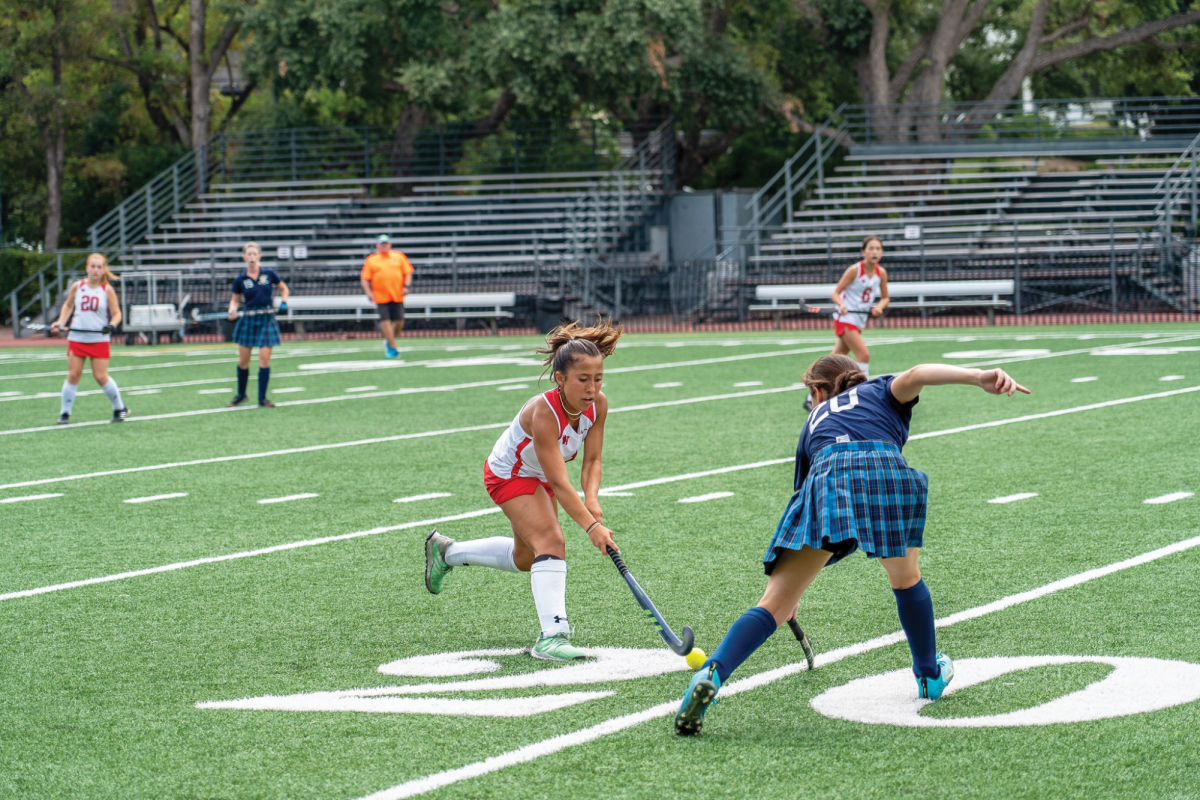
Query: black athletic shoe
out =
(808, 403)
(120, 414)
(64, 419)
(266, 404)
(237, 400)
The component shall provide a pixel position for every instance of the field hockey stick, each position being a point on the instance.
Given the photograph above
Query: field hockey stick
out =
(210, 317)
(680, 646)
(40, 326)
(805, 644)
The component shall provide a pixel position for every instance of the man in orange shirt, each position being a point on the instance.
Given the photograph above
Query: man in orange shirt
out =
(386, 276)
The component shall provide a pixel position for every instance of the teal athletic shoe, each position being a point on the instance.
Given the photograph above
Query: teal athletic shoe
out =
(556, 648)
(436, 568)
(932, 688)
(700, 694)
(389, 351)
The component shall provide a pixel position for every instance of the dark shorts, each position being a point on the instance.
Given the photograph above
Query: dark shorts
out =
(391, 311)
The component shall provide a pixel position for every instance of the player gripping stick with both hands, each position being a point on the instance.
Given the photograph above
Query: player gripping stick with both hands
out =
(257, 326)
(94, 311)
(853, 489)
(526, 475)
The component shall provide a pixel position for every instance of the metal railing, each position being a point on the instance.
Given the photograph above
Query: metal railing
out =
(1132, 118)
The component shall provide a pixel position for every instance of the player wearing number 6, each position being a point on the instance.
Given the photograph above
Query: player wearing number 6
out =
(526, 475)
(853, 489)
(94, 311)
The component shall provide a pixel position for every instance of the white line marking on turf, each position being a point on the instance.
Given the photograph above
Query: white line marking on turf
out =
(610, 493)
(30, 497)
(10, 394)
(1088, 379)
(555, 744)
(704, 498)
(360, 389)
(246, 554)
(1012, 498)
(512, 386)
(359, 442)
(214, 391)
(668, 385)
(1168, 498)
(744, 384)
(288, 390)
(416, 497)
(144, 391)
(288, 499)
(154, 497)
(1171, 378)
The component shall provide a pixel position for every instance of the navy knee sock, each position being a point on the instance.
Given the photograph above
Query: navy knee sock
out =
(745, 636)
(264, 377)
(243, 376)
(916, 617)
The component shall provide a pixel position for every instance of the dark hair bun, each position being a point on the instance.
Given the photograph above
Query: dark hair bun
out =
(848, 380)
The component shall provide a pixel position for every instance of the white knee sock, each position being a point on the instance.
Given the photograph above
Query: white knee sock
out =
(496, 552)
(865, 367)
(68, 396)
(549, 581)
(113, 394)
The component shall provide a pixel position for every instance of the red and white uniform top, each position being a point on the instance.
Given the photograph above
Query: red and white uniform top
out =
(91, 313)
(514, 455)
(858, 298)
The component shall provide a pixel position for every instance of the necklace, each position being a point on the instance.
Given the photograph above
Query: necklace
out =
(563, 400)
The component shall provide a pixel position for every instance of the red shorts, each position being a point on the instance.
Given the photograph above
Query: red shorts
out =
(505, 489)
(88, 349)
(841, 327)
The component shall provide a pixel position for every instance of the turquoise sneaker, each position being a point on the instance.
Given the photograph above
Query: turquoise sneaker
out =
(389, 351)
(436, 568)
(700, 694)
(556, 648)
(932, 688)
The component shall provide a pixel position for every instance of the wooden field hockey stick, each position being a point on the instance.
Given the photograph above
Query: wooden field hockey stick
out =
(679, 645)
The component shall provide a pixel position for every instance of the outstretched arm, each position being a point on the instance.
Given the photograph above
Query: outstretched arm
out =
(908, 384)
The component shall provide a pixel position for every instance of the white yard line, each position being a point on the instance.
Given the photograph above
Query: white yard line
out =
(288, 499)
(354, 389)
(1084, 380)
(361, 442)
(668, 385)
(531, 752)
(1012, 498)
(417, 497)
(1171, 378)
(1168, 498)
(744, 384)
(704, 498)
(30, 497)
(615, 489)
(154, 497)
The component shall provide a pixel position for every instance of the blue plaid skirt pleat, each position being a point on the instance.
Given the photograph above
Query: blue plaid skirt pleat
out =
(857, 494)
(256, 330)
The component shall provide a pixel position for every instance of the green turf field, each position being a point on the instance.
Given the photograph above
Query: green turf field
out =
(125, 627)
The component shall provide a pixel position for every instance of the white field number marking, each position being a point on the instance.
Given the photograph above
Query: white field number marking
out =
(1168, 498)
(288, 499)
(888, 699)
(608, 664)
(1012, 498)
(703, 498)
(417, 497)
(155, 497)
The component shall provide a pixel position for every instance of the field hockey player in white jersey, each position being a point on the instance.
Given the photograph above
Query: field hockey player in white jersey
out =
(526, 475)
(94, 311)
(861, 285)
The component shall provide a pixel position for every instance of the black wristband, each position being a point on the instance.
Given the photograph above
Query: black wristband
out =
(589, 527)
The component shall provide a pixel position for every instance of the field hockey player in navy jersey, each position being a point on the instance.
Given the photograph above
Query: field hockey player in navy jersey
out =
(256, 325)
(852, 489)
(526, 475)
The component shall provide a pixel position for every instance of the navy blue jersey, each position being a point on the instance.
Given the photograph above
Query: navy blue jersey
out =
(868, 412)
(256, 291)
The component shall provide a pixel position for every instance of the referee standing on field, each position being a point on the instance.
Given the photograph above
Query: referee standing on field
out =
(386, 276)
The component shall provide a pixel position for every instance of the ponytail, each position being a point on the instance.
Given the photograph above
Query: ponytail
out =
(568, 342)
(833, 375)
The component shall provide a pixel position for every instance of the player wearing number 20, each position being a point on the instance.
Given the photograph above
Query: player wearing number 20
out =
(526, 475)
(92, 305)
(853, 489)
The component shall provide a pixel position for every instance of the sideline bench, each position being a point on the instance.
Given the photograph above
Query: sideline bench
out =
(488, 306)
(983, 294)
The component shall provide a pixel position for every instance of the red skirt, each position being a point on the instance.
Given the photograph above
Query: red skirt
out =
(505, 489)
(88, 349)
(841, 327)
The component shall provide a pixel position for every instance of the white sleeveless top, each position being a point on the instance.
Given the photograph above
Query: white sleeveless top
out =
(858, 298)
(91, 313)
(514, 456)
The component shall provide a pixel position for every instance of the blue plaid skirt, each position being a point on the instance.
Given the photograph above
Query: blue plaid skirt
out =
(256, 330)
(857, 494)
